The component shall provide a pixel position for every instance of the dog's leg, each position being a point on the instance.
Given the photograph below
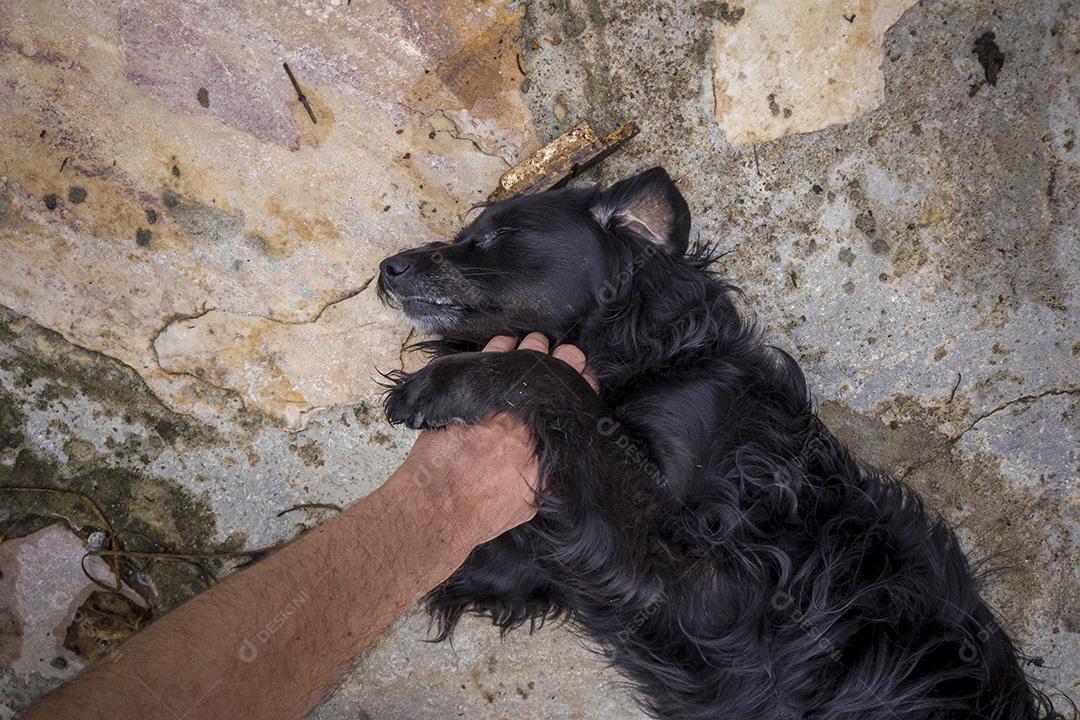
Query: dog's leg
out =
(500, 580)
(466, 387)
(586, 452)
(594, 493)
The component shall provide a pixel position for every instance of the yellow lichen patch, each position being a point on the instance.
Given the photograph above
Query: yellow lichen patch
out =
(476, 71)
(477, 76)
(293, 229)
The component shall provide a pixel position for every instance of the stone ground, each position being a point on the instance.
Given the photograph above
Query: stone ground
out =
(187, 334)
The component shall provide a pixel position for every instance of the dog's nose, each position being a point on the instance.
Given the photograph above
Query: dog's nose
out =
(394, 266)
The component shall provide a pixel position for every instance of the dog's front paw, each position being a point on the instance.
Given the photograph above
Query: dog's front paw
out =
(423, 400)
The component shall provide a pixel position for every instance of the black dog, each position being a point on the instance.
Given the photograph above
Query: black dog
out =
(699, 522)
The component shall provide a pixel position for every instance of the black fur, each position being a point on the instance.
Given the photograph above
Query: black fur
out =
(698, 522)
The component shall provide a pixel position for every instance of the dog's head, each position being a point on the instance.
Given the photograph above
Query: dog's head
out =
(539, 262)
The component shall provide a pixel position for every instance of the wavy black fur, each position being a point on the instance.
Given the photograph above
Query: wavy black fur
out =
(698, 522)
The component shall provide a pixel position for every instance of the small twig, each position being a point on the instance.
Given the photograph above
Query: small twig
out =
(299, 93)
(520, 68)
(310, 506)
(91, 578)
(64, 164)
(97, 511)
(116, 554)
(955, 387)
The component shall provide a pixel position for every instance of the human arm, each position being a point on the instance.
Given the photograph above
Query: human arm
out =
(268, 641)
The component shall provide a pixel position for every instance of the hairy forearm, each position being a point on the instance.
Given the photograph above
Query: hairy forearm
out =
(270, 640)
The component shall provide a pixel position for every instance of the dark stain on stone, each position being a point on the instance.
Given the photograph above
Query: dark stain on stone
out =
(909, 252)
(309, 453)
(155, 512)
(599, 94)
(42, 361)
(879, 246)
(259, 242)
(855, 193)
(865, 222)
(12, 422)
(202, 222)
(76, 194)
(167, 430)
(383, 439)
(151, 215)
(722, 11)
(203, 96)
(364, 414)
(846, 256)
(990, 56)
(774, 107)
(50, 201)
(573, 24)
(142, 237)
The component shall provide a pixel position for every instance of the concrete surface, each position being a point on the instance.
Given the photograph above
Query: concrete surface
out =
(920, 258)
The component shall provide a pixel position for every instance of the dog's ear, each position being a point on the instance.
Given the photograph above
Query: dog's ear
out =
(649, 205)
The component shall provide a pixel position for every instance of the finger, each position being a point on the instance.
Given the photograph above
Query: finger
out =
(575, 358)
(571, 355)
(500, 343)
(535, 341)
(590, 377)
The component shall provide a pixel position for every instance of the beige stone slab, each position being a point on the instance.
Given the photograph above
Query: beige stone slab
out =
(156, 164)
(288, 369)
(796, 66)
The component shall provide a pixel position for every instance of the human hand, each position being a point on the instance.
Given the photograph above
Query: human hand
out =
(487, 474)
